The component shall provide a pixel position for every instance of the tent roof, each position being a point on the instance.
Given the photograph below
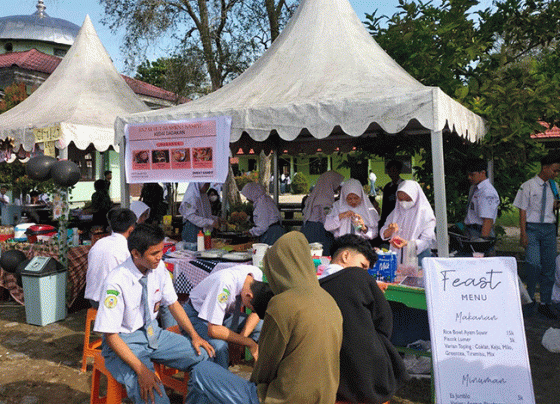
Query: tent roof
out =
(83, 95)
(324, 74)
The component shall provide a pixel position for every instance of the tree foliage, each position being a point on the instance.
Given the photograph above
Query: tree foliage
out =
(183, 75)
(13, 95)
(501, 62)
(227, 34)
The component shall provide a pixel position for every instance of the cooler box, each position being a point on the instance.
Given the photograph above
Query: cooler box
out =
(44, 290)
(40, 232)
(20, 229)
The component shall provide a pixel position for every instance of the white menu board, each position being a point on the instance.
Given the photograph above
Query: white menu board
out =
(178, 151)
(479, 349)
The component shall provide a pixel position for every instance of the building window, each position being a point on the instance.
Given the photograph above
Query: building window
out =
(85, 159)
(318, 165)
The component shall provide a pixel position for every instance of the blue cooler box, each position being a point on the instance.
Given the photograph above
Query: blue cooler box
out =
(44, 290)
(385, 268)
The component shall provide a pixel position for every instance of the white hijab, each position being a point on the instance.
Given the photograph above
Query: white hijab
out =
(195, 202)
(323, 193)
(253, 191)
(139, 208)
(365, 209)
(419, 217)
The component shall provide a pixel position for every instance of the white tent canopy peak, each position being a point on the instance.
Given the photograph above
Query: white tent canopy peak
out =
(83, 96)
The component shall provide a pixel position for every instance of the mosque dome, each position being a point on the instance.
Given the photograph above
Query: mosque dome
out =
(38, 27)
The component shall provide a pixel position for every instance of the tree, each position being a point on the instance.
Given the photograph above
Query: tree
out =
(223, 32)
(13, 95)
(502, 63)
(181, 74)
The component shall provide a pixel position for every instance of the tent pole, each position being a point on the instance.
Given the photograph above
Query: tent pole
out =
(439, 193)
(125, 188)
(276, 176)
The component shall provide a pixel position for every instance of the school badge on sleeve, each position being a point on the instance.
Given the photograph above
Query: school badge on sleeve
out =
(111, 302)
(224, 296)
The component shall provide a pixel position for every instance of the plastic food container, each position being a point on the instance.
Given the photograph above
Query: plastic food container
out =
(40, 232)
(20, 229)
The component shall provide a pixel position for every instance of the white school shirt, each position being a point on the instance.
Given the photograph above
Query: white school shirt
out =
(529, 198)
(214, 297)
(330, 269)
(121, 309)
(484, 203)
(106, 254)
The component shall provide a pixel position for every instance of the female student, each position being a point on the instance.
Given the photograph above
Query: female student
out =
(412, 219)
(318, 204)
(353, 213)
(196, 211)
(266, 215)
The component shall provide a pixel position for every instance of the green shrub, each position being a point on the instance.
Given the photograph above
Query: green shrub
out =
(300, 185)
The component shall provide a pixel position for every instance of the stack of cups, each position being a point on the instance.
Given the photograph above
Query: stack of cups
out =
(258, 254)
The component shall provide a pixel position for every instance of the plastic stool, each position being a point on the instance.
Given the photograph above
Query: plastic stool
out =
(166, 373)
(115, 391)
(90, 348)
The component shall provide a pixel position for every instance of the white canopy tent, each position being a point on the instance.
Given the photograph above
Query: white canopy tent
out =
(83, 96)
(325, 78)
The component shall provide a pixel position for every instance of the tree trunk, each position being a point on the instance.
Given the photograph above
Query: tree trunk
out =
(233, 197)
(265, 163)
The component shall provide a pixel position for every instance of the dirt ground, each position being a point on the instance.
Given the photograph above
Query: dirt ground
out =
(42, 364)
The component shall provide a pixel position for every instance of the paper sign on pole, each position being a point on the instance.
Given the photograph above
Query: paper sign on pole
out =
(48, 136)
(178, 151)
(479, 349)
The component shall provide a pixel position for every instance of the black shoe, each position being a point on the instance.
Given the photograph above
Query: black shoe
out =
(547, 311)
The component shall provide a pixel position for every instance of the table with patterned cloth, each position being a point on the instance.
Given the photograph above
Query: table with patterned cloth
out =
(77, 268)
(190, 271)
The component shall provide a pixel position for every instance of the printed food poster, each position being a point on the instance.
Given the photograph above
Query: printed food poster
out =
(178, 151)
(479, 350)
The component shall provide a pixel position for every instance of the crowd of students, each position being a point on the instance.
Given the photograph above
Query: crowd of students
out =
(315, 339)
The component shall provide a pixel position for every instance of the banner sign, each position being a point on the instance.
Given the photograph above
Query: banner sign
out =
(178, 151)
(479, 349)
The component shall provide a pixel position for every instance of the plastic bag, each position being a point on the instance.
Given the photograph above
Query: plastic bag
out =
(551, 340)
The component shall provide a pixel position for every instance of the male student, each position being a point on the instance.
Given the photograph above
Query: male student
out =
(371, 369)
(537, 200)
(214, 308)
(108, 253)
(131, 297)
(300, 339)
(482, 207)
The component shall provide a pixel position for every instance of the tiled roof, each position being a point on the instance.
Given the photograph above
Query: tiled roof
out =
(42, 62)
(548, 133)
(30, 60)
(141, 87)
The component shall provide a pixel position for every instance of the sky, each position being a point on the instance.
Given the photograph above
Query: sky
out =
(75, 11)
